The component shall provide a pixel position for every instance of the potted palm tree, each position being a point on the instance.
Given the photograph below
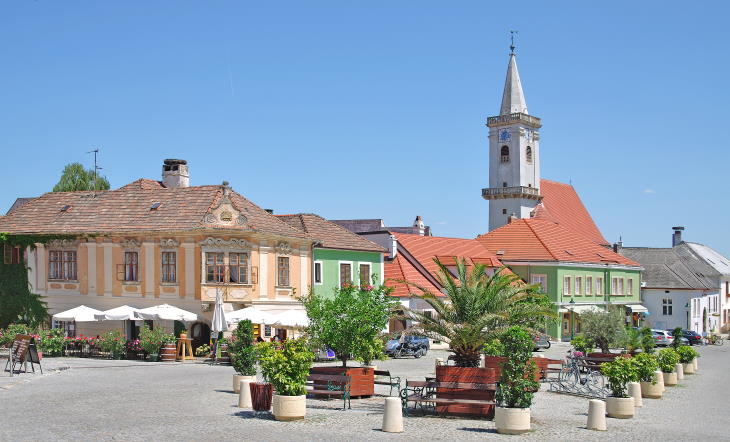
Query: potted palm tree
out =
(646, 367)
(687, 357)
(286, 365)
(474, 308)
(619, 373)
(668, 359)
(243, 354)
(516, 384)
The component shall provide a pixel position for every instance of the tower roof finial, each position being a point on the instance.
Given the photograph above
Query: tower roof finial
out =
(512, 35)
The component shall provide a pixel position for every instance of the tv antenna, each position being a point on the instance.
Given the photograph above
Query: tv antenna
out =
(96, 168)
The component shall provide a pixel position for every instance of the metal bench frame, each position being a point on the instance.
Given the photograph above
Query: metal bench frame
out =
(423, 394)
(392, 382)
(337, 385)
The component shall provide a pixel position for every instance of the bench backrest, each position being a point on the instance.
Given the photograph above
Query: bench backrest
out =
(456, 385)
(335, 378)
(381, 372)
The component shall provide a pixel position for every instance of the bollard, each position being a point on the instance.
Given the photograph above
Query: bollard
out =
(679, 368)
(482, 362)
(439, 361)
(393, 416)
(596, 415)
(635, 392)
(694, 361)
(244, 396)
(659, 376)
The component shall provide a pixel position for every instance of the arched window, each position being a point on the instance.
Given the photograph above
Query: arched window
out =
(505, 154)
(528, 155)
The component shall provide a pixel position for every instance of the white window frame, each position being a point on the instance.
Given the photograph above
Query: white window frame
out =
(629, 286)
(540, 278)
(339, 272)
(321, 273)
(600, 289)
(578, 286)
(164, 250)
(567, 288)
(621, 286)
(667, 306)
(589, 286)
(370, 272)
(614, 286)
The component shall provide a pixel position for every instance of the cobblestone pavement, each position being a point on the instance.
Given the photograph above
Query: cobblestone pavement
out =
(85, 399)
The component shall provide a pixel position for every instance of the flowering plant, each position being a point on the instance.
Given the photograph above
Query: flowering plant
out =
(578, 354)
(113, 342)
(133, 346)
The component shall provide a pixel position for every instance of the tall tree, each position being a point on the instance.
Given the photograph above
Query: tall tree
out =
(75, 177)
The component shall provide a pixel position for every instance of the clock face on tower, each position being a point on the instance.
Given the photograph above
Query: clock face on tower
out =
(504, 135)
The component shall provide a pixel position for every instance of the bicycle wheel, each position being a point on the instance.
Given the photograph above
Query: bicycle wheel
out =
(719, 341)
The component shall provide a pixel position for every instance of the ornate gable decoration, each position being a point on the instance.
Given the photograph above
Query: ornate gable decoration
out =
(233, 243)
(63, 244)
(130, 243)
(225, 214)
(169, 242)
(283, 248)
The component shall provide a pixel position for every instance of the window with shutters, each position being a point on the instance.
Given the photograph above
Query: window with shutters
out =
(62, 265)
(364, 274)
(282, 271)
(169, 267)
(345, 273)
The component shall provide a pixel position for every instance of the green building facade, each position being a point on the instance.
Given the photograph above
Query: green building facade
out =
(333, 267)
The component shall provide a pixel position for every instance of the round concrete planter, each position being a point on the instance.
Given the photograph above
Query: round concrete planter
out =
(652, 391)
(514, 420)
(670, 379)
(237, 378)
(289, 408)
(620, 407)
(689, 368)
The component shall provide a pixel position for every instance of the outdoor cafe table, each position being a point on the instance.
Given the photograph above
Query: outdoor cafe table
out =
(184, 349)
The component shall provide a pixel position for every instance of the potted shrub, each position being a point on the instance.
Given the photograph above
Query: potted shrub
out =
(516, 384)
(150, 340)
(619, 373)
(112, 342)
(286, 366)
(475, 308)
(243, 354)
(668, 359)
(349, 323)
(51, 342)
(687, 356)
(646, 371)
(583, 344)
(183, 334)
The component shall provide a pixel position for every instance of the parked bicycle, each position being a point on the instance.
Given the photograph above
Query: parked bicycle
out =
(714, 340)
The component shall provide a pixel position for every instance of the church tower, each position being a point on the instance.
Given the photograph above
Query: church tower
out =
(514, 155)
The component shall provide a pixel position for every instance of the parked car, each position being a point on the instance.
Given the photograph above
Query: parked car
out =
(541, 341)
(662, 338)
(693, 337)
(683, 340)
(408, 345)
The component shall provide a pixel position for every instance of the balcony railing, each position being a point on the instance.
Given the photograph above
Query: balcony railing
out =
(511, 118)
(511, 192)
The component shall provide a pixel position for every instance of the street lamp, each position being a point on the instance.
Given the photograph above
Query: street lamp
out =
(572, 317)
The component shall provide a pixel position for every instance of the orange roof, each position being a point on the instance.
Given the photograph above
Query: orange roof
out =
(543, 240)
(561, 204)
(330, 235)
(400, 269)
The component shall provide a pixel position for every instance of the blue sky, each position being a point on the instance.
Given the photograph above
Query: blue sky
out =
(377, 109)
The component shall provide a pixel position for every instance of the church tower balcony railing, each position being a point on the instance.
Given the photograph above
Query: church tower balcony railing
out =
(504, 120)
(493, 193)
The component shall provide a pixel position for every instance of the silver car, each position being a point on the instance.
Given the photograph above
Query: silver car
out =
(662, 338)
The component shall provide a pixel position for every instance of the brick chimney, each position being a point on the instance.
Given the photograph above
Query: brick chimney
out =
(677, 236)
(175, 173)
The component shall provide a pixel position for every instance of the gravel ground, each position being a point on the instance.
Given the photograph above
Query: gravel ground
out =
(82, 399)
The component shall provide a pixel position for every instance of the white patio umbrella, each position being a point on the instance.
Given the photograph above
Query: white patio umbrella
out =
(291, 319)
(218, 324)
(123, 313)
(166, 312)
(81, 313)
(252, 314)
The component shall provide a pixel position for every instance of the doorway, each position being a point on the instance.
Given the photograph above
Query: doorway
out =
(200, 334)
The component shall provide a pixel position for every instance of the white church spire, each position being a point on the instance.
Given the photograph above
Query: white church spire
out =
(513, 99)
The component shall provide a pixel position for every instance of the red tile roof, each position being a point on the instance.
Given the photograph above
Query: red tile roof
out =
(543, 240)
(329, 234)
(128, 209)
(561, 204)
(415, 260)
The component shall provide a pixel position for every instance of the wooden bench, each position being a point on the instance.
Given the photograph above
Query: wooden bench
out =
(330, 385)
(593, 363)
(392, 381)
(425, 392)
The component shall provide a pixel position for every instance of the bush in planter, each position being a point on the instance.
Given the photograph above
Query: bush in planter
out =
(686, 354)
(112, 342)
(477, 307)
(677, 335)
(647, 340)
(517, 383)
(349, 322)
(646, 365)
(51, 342)
(583, 344)
(241, 349)
(150, 340)
(619, 373)
(286, 365)
(668, 359)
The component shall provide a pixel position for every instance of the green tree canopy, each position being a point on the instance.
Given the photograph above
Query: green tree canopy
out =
(75, 177)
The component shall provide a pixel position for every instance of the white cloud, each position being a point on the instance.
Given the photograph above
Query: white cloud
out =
(649, 191)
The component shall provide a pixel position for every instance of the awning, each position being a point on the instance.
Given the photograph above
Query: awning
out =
(123, 313)
(291, 319)
(638, 308)
(166, 312)
(252, 314)
(81, 313)
(580, 308)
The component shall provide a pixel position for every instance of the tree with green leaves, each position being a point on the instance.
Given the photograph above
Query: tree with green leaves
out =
(517, 382)
(604, 327)
(74, 177)
(241, 349)
(477, 307)
(350, 322)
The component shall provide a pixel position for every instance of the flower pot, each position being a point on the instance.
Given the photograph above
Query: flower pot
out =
(261, 395)
(689, 368)
(620, 407)
(153, 357)
(289, 408)
(514, 420)
(237, 378)
(670, 379)
(652, 391)
(183, 335)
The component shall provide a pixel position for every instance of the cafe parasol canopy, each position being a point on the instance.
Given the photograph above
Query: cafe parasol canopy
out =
(167, 312)
(81, 313)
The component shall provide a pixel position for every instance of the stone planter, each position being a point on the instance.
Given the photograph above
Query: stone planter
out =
(689, 368)
(513, 420)
(362, 381)
(620, 407)
(476, 375)
(237, 378)
(652, 391)
(289, 408)
(670, 379)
